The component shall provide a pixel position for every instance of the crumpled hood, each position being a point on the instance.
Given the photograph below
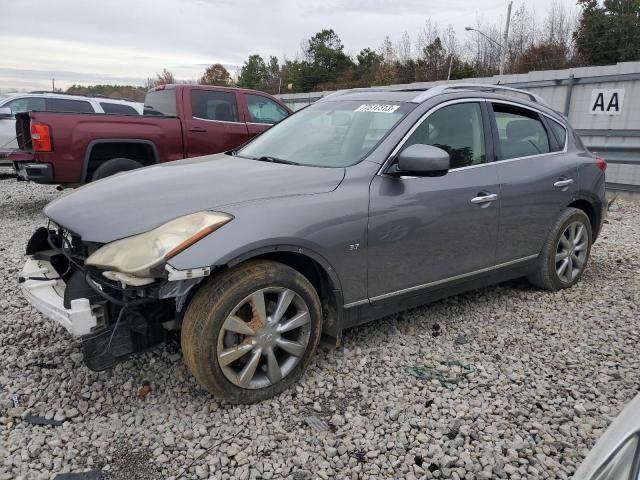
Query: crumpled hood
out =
(137, 201)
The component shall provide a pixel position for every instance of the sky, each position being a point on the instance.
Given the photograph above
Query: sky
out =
(127, 41)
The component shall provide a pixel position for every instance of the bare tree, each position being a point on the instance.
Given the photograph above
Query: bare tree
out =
(559, 25)
(165, 77)
(386, 70)
(403, 48)
(522, 34)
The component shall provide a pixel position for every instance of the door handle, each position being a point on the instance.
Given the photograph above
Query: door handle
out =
(488, 198)
(197, 129)
(563, 183)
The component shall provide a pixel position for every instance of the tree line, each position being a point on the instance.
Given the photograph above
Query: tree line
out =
(591, 33)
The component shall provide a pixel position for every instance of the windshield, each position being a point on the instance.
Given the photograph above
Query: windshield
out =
(328, 134)
(160, 103)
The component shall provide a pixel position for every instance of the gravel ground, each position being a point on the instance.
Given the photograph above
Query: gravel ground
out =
(522, 383)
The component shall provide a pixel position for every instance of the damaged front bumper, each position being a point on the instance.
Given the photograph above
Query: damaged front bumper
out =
(44, 289)
(114, 314)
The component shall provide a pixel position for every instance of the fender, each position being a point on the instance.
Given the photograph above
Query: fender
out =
(93, 143)
(599, 209)
(334, 323)
(241, 257)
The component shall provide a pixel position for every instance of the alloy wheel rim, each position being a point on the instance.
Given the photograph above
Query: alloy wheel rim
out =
(571, 252)
(264, 337)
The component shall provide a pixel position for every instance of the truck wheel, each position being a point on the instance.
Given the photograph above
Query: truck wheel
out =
(250, 332)
(113, 166)
(565, 252)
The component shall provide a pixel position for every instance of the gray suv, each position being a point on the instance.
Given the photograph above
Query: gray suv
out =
(363, 204)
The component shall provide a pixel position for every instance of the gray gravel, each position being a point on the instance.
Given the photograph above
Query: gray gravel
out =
(538, 378)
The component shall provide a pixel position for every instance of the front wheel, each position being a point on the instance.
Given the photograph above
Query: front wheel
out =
(565, 252)
(250, 332)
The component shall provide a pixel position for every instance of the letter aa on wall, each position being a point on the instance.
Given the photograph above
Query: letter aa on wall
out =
(606, 101)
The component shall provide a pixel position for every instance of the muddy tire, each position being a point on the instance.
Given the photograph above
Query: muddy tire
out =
(565, 252)
(113, 166)
(250, 332)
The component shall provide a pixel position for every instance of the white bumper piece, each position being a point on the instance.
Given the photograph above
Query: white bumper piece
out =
(47, 296)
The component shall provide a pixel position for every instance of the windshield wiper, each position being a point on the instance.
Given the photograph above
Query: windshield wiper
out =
(275, 160)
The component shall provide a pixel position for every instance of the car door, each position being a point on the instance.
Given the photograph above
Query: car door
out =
(262, 113)
(212, 122)
(537, 177)
(8, 124)
(427, 231)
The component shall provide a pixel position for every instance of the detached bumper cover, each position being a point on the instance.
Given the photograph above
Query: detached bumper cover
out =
(47, 296)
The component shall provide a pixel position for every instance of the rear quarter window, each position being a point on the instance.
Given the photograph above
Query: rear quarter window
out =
(559, 132)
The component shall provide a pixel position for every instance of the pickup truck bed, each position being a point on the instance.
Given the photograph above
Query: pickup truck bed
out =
(79, 137)
(180, 121)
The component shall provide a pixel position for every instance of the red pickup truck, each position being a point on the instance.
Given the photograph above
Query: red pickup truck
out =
(179, 121)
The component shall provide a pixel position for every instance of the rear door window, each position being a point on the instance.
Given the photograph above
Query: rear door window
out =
(67, 105)
(26, 104)
(160, 103)
(521, 132)
(212, 105)
(264, 110)
(118, 109)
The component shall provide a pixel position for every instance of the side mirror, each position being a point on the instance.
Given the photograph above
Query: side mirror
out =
(5, 112)
(419, 159)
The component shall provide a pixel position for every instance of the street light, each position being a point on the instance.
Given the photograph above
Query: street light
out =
(499, 45)
(471, 29)
(505, 40)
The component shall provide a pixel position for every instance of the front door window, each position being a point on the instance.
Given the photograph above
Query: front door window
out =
(457, 129)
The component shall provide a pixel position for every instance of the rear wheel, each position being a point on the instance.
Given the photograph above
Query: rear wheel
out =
(249, 333)
(113, 166)
(565, 253)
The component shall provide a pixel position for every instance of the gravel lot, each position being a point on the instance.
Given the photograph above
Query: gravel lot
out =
(522, 384)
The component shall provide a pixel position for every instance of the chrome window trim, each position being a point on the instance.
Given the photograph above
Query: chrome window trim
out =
(440, 282)
(484, 164)
(216, 121)
(258, 123)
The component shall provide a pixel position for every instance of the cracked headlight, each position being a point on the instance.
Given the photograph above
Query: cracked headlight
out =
(139, 254)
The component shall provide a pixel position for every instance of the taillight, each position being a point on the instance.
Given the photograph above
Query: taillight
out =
(601, 163)
(40, 137)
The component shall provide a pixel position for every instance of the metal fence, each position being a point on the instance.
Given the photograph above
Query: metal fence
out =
(602, 103)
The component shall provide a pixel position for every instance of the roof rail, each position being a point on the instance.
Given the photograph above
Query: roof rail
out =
(85, 95)
(439, 89)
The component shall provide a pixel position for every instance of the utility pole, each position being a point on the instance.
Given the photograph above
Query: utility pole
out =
(505, 40)
(450, 64)
(53, 85)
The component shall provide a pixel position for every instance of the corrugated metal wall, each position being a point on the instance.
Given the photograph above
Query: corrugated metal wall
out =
(614, 136)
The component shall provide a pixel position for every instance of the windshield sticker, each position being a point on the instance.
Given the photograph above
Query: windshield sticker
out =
(377, 108)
